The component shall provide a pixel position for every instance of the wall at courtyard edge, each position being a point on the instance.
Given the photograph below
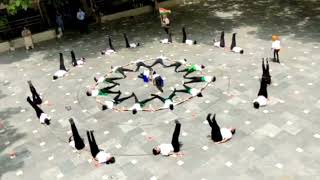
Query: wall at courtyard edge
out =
(139, 11)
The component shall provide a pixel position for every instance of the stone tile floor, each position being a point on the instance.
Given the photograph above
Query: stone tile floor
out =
(280, 141)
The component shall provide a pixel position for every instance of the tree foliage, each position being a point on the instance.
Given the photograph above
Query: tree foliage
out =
(13, 6)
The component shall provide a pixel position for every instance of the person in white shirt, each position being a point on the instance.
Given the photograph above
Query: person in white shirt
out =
(192, 91)
(165, 23)
(262, 98)
(158, 81)
(184, 38)
(75, 141)
(220, 43)
(167, 40)
(121, 70)
(159, 60)
(62, 71)
(265, 72)
(43, 117)
(102, 92)
(174, 147)
(99, 155)
(234, 47)
(81, 16)
(75, 61)
(219, 135)
(145, 75)
(207, 79)
(35, 96)
(130, 45)
(177, 64)
(276, 48)
(138, 105)
(109, 50)
(167, 102)
(116, 100)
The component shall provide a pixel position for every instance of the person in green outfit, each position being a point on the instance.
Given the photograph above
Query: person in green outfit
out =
(102, 92)
(191, 91)
(192, 68)
(138, 105)
(107, 80)
(200, 79)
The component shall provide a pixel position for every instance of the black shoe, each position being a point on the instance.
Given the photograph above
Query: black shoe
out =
(177, 121)
(71, 121)
(95, 79)
(214, 79)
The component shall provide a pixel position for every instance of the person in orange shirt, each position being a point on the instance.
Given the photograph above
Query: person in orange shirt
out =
(276, 48)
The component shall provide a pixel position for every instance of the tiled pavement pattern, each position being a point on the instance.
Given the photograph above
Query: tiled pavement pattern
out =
(280, 141)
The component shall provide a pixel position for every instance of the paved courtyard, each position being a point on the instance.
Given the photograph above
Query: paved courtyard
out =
(280, 141)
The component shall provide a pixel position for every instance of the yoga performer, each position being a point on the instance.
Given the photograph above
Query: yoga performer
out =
(130, 45)
(77, 62)
(158, 81)
(192, 91)
(221, 42)
(109, 50)
(192, 68)
(184, 38)
(167, 40)
(200, 79)
(138, 105)
(75, 141)
(234, 47)
(98, 154)
(102, 92)
(121, 70)
(159, 60)
(168, 102)
(140, 63)
(174, 147)
(43, 117)
(177, 64)
(265, 72)
(145, 75)
(35, 96)
(117, 100)
(219, 135)
(62, 71)
(107, 80)
(276, 48)
(262, 98)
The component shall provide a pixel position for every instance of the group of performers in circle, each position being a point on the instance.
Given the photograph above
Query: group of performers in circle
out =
(148, 75)
(218, 135)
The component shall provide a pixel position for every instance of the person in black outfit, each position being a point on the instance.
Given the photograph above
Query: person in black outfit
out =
(265, 72)
(158, 61)
(35, 96)
(43, 118)
(116, 100)
(139, 64)
(95, 151)
(76, 138)
(215, 129)
(177, 64)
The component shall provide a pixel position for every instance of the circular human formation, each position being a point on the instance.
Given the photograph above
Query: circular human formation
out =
(104, 86)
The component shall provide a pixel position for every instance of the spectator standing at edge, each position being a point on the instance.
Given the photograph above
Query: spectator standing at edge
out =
(27, 36)
(60, 24)
(81, 16)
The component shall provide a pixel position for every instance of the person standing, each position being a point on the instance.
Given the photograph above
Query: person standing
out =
(60, 24)
(27, 36)
(81, 16)
(165, 23)
(276, 48)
